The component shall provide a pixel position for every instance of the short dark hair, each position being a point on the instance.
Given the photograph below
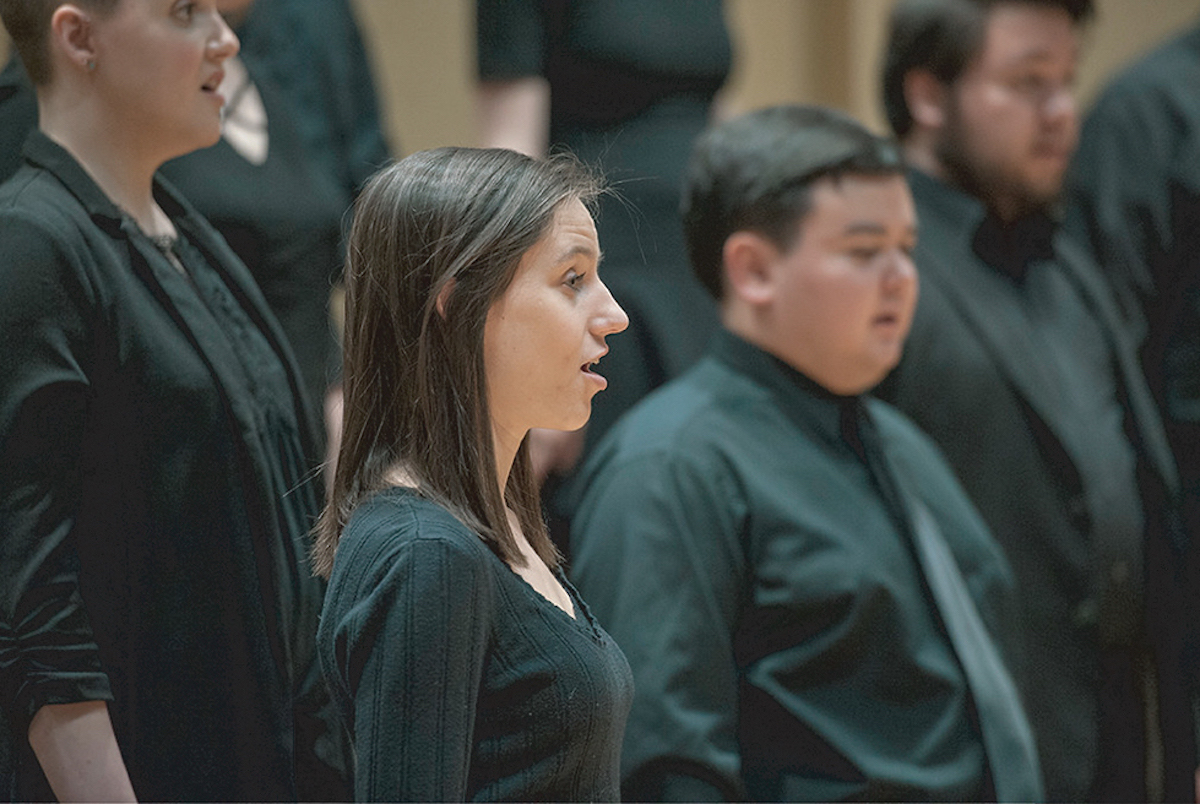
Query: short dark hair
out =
(943, 36)
(451, 223)
(28, 23)
(756, 173)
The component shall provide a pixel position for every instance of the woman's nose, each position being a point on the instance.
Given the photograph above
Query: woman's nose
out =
(224, 43)
(610, 318)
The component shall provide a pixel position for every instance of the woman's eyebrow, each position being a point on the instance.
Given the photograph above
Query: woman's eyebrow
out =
(575, 251)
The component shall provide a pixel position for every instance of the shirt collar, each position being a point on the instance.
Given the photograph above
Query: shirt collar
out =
(803, 400)
(12, 77)
(45, 153)
(1008, 248)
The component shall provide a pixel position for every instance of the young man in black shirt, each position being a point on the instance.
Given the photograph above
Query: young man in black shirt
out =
(811, 607)
(1018, 367)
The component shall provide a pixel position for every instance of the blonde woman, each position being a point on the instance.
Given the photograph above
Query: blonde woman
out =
(156, 614)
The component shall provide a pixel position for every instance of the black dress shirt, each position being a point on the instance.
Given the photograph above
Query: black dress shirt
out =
(735, 540)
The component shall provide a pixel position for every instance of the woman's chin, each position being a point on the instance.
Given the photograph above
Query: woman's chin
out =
(574, 421)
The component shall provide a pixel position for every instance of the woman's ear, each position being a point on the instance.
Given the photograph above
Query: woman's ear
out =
(443, 297)
(926, 97)
(72, 34)
(749, 260)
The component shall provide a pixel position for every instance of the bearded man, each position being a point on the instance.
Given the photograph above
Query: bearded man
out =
(1018, 367)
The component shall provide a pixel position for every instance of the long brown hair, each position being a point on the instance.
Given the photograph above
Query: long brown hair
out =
(450, 223)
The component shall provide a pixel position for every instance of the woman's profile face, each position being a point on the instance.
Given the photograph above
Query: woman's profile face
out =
(159, 64)
(544, 334)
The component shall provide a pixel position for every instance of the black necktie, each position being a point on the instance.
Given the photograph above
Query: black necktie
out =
(1007, 736)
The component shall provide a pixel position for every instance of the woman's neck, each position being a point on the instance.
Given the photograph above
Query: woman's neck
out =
(505, 446)
(123, 172)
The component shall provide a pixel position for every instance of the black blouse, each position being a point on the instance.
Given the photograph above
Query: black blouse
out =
(460, 681)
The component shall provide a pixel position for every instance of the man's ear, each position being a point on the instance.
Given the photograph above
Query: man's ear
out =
(750, 260)
(927, 98)
(443, 297)
(72, 34)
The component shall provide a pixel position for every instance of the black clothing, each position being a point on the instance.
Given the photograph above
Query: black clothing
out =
(631, 86)
(313, 51)
(460, 682)
(751, 542)
(18, 115)
(1018, 368)
(282, 218)
(609, 60)
(154, 498)
(1135, 200)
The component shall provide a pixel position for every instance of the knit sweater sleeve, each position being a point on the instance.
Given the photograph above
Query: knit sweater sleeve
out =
(409, 622)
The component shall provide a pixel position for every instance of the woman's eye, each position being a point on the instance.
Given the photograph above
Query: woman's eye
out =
(573, 280)
(864, 254)
(185, 11)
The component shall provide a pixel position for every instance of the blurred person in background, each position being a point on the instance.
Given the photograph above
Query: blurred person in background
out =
(1134, 198)
(301, 133)
(158, 614)
(625, 85)
(1021, 369)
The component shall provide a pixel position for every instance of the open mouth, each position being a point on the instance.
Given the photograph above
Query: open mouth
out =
(589, 370)
(213, 83)
(590, 366)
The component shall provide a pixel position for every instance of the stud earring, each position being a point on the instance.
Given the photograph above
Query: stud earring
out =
(91, 65)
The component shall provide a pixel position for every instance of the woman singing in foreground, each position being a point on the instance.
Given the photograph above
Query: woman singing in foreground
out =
(466, 665)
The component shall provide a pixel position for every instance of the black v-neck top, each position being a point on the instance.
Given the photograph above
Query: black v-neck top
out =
(458, 680)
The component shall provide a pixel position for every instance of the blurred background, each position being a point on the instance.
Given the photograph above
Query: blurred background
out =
(813, 51)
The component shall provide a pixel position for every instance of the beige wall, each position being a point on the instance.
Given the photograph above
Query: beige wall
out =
(1125, 29)
(424, 54)
(829, 51)
(822, 51)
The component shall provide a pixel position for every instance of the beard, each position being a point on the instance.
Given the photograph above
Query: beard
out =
(1002, 189)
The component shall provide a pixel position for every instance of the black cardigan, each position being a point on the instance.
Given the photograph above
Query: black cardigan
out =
(147, 555)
